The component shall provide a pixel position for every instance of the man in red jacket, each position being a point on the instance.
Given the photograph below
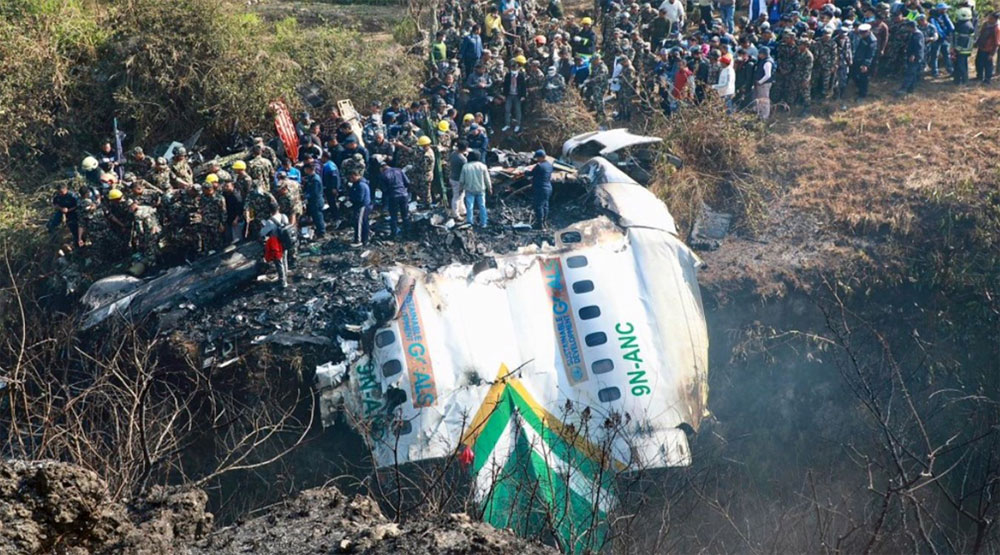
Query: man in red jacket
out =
(986, 47)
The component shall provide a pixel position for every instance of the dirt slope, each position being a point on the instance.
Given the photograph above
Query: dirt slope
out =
(869, 186)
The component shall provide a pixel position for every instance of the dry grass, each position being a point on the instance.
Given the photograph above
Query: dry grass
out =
(890, 190)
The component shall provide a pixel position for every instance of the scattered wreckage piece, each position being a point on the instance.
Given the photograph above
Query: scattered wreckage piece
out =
(506, 167)
(709, 229)
(181, 287)
(520, 365)
(633, 154)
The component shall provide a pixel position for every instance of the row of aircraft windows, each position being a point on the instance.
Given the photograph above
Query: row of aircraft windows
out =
(595, 339)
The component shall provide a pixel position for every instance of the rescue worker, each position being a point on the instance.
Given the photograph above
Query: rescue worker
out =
(361, 204)
(914, 62)
(145, 235)
(396, 188)
(213, 216)
(181, 174)
(423, 170)
(962, 45)
(802, 76)
(541, 186)
(865, 53)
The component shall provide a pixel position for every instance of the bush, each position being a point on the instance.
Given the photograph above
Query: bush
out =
(549, 125)
(723, 166)
(406, 33)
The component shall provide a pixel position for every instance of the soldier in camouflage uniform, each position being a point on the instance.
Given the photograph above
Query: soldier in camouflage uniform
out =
(627, 80)
(181, 174)
(785, 58)
(95, 225)
(216, 168)
(241, 180)
(260, 205)
(895, 53)
(422, 174)
(141, 191)
(119, 217)
(555, 86)
(140, 164)
(160, 178)
(267, 152)
(260, 169)
(354, 162)
(535, 81)
(145, 233)
(825, 53)
(597, 86)
(496, 70)
(186, 214)
(213, 218)
(802, 77)
(845, 59)
(289, 199)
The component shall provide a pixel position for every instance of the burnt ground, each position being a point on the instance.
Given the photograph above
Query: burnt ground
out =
(332, 283)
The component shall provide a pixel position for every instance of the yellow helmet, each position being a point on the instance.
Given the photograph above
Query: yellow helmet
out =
(444, 126)
(239, 165)
(520, 59)
(114, 194)
(469, 117)
(587, 21)
(211, 178)
(424, 141)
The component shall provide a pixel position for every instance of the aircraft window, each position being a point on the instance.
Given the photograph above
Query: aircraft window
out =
(584, 286)
(394, 397)
(590, 312)
(602, 366)
(391, 368)
(571, 237)
(595, 339)
(609, 394)
(384, 338)
(576, 261)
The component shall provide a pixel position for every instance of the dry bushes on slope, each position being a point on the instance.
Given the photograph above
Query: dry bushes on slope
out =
(726, 166)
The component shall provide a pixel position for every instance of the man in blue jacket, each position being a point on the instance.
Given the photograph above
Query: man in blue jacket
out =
(541, 187)
(330, 176)
(396, 188)
(913, 66)
(864, 56)
(471, 50)
(941, 22)
(361, 203)
(312, 189)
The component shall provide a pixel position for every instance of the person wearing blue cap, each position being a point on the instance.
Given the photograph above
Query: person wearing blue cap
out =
(940, 20)
(541, 186)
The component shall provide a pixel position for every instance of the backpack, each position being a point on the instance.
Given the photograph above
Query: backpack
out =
(288, 236)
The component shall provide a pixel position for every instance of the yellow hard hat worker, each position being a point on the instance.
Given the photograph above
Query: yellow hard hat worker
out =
(211, 178)
(239, 165)
(424, 141)
(520, 59)
(468, 118)
(587, 21)
(444, 126)
(114, 194)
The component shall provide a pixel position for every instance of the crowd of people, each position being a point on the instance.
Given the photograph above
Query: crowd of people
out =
(489, 63)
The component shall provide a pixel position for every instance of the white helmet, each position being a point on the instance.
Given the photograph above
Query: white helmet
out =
(963, 14)
(89, 164)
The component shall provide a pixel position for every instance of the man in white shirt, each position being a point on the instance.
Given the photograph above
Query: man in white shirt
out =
(675, 15)
(763, 74)
(726, 86)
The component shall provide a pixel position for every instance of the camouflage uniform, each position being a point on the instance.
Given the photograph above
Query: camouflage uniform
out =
(555, 88)
(290, 202)
(224, 176)
(261, 171)
(845, 59)
(353, 162)
(149, 196)
(597, 86)
(627, 92)
(118, 210)
(95, 227)
(186, 215)
(535, 81)
(802, 78)
(496, 70)
(825, 53)
(180, 171)
(213, 217)
(146, 234)
(261, 205)
(161, 179)
(895, 52)
(143, 168)
(423, 174)
(269, 154)
(785, 58)
(243, 183)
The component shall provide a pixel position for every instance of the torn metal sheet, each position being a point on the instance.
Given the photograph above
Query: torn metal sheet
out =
(194, 285)
(509, 359)
(604, 143)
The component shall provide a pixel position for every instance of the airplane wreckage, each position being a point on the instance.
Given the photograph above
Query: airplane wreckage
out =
(517, 364)
(548, 372)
